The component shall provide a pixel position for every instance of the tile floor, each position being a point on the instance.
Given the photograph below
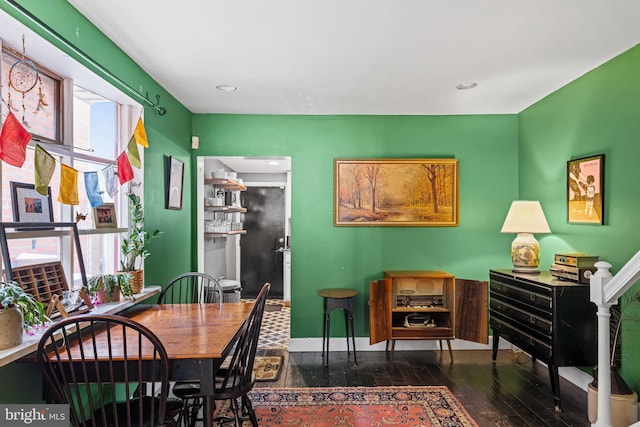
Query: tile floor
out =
(274, 333)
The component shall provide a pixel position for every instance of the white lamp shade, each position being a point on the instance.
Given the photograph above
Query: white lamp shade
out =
(525, 217)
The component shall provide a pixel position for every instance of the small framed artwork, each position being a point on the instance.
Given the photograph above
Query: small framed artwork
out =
(105, 216)
(396, 192)
(585, 190)
(29, 205)
(175, 176)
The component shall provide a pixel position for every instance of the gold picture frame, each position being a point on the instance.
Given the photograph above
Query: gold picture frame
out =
(396, 192)
(585, 190)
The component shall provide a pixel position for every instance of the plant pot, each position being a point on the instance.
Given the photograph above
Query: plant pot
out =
(11, 329)
(624, 402)
(136, 279)
(103, 297)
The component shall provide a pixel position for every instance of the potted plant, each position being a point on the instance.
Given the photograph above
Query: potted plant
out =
(109, 287)
(18, 309)
(133, 247)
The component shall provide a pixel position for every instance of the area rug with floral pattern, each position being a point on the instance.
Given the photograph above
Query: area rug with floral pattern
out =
(359, 406)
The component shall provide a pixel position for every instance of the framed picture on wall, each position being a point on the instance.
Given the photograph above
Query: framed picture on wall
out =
(175, 175)
(585, 190)
(396, 192)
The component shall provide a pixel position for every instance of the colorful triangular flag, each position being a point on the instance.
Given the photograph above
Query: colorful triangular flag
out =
(133, 154)
(13, 141)
(44, 164)
(125, 172)
(93, 191)
(141, 134)
(109, 174)
(68, 186)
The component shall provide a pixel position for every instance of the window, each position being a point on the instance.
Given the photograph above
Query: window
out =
(97, 132)
(39, 108)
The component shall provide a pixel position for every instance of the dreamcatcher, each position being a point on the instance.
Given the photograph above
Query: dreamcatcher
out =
(23, 77)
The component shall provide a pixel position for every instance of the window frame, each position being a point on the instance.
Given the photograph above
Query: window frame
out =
(128, 112)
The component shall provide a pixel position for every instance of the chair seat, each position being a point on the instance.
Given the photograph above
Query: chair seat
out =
(173, 408)
(186, 390)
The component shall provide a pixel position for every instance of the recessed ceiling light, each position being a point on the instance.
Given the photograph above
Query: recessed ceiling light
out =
(273, 163)
(226, 88)
(465, 86)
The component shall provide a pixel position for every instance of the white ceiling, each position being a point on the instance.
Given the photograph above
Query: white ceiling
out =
(366, 56)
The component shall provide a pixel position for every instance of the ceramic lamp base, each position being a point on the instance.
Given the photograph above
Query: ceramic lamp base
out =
(525, 254)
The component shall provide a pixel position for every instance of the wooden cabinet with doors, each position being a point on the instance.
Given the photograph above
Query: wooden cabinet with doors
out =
(427, 305)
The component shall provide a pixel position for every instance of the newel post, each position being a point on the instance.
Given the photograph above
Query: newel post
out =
(598, 281)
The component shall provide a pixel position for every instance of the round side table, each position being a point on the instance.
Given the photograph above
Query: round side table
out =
(337, 298)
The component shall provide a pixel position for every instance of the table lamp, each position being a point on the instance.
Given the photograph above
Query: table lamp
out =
(525, 218)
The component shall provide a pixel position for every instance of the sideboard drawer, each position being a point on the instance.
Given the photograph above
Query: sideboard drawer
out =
(536, 297)
(539, 324)
(521, 339)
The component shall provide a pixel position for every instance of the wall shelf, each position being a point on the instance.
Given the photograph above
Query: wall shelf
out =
(226, 233)
(227, 184)
(229, 209)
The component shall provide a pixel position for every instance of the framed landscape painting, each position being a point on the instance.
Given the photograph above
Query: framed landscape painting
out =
(396, 192)
(585, 190)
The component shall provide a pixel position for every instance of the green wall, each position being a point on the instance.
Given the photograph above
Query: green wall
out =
(327, 256)
(597, 113)
(168, 135)
(502, 157)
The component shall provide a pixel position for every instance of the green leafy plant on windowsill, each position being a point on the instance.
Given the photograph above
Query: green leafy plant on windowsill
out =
(33, 311)
(19, 311)
(109, 283)
(133, 247)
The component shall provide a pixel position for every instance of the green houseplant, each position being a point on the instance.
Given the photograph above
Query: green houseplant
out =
(133, 247)
(109, 287)
(18, 309)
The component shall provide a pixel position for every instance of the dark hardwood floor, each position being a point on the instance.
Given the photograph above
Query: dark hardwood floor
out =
(511, 392)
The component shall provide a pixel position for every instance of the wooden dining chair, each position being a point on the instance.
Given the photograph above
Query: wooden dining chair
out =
(192, 288)
(100, 370)
(236, 380)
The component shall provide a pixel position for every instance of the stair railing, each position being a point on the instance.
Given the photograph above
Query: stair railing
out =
(606, 289)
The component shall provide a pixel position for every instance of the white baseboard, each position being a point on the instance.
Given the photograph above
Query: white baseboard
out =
(296, 345)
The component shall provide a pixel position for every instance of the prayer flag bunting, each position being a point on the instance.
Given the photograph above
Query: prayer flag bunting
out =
(125, 172)
(141, 134)
(13, 141)
(109, 174)
(68, 185)
(133, 154)
(45, 164)
(93, 192)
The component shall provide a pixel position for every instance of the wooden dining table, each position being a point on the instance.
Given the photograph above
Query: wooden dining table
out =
(197, 338)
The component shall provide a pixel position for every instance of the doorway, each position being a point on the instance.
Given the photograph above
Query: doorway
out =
(228, 256)
(262, 248)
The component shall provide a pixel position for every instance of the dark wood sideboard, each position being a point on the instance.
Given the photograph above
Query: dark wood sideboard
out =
(553, 320)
